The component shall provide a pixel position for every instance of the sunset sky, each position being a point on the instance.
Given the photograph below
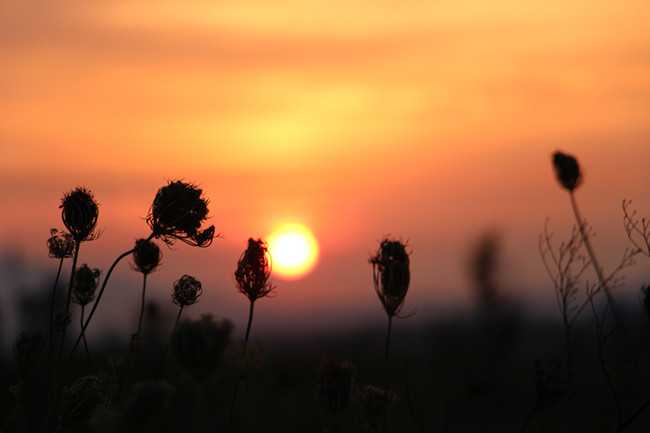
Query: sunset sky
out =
(430, 121)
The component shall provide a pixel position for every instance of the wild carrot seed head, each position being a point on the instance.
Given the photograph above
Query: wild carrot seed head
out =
(567, 170)
(391, 275)
(254, 270)
(79, 212)
(146, 256)
(84, 285)
(177, 212)
(186, 291)
(60, 246)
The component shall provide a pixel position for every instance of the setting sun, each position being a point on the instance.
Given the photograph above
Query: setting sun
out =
(294, 251)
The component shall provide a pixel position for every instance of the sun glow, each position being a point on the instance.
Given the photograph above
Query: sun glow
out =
(294, 251)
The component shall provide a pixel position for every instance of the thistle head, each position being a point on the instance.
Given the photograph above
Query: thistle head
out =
(84, 285)
(27, 351)
(199, 345)
(337, 385)
(79, 212)
(146, 256)
(61, 246)
(567, 170)
(186, 291)
(177, 212)
(254, 270)
(391, 275)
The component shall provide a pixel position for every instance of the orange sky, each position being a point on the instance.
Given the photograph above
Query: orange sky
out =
(432, 121)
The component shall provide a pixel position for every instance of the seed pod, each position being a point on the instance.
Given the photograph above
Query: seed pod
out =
(186, 291)
(391, 275)
(79, 213)
(146, 256)
(84, 285)
(254, 270)
(567, 170)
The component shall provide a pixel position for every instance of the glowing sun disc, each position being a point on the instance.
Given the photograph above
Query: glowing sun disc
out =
(294, 251)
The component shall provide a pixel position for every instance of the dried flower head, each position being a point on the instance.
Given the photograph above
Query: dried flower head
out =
(337, 385)
(177, 212)
(61, 319)
(186, 291)
(61, 245)
(27, 351)
(391, 275)
(254, 270)
(79, 213)
(567, 170)
(84, 285)
(199, 345)
(146, 256)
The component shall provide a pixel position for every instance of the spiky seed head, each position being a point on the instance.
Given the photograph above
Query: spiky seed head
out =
(186, 291)
(27, 351)
(391, 275)
(567, 170)
(254, 270)
(177, 212)
(84, 285)
(60, 246)
(199, 345)
(146, 256)
(337, 385)
(79, 212)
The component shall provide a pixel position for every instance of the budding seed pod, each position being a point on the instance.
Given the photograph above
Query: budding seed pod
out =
(79, 213)
(84, 285)
(146, 256)
(186, 291)
(177, 212)
(567, 170)
(254, 270)
(391, 275)
(61, 319)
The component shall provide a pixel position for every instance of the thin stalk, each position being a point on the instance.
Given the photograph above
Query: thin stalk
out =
(178, 318)
(390, 326)
(90, 360)
(56, 282)
(69, 298)
(234, 393)
(131, 352)
(92, 311)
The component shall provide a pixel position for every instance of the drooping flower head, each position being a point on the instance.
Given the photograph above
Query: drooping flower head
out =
(186, 291)
(84, 285)
(177, 212)
(61, 246)
(146, 256)
(391, 275)
(567, 170)
(79, 213)
(254, 270)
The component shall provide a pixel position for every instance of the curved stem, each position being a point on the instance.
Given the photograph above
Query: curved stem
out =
(92, 311)
(178, 318)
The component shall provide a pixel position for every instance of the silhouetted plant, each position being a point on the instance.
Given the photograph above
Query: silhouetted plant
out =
(252, 278)
(84, 286)
(391, 277)
(375, 402)
(336, 392)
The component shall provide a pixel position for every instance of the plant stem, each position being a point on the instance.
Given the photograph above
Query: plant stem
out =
(90, 360)
(234, 393)
(178, 318)
(390, 326)
(56, 282)
(131, 352)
